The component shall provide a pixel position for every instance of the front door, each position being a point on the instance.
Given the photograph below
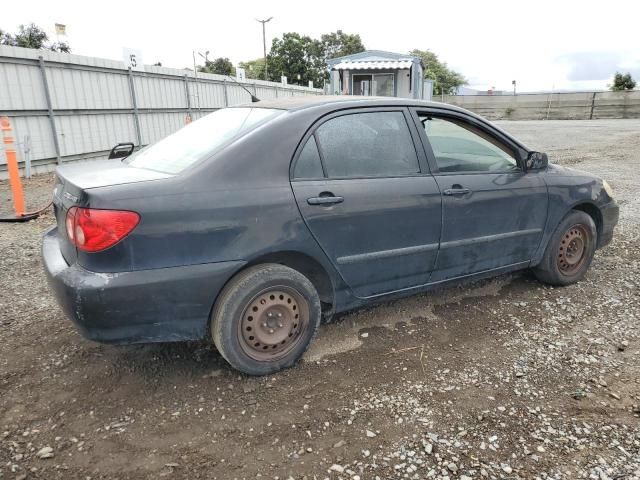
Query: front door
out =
(361, 85)
(362, 189)
(493, 212)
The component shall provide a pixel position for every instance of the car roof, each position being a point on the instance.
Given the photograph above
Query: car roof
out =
(341, 101)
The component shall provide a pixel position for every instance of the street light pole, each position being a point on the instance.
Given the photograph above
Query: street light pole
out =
(195, 75)
(264, 44)
(206, 57)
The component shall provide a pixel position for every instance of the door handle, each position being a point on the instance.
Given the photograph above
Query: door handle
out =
(325, 200)
(456, 190)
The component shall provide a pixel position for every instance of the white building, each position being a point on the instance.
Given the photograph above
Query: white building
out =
(375, 72)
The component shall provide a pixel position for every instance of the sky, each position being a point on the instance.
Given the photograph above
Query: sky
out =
(543, 45)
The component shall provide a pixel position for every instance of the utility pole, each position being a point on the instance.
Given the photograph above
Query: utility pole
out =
(264, 44)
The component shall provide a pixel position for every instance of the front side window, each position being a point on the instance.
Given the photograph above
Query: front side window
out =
(375, 144)
(200, 139)
(462, 148)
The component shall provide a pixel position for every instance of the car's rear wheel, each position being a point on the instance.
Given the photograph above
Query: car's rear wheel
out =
(570, 250)
(265, 318)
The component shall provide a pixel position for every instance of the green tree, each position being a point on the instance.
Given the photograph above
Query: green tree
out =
(298, 57)
(220, 66)
(444, 79)
(254, 69)
(339, 44)
(62, 47)
(622, 82)
(32, 36)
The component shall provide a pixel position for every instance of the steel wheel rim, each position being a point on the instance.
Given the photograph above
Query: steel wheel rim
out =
(273, 323)
(573, 249)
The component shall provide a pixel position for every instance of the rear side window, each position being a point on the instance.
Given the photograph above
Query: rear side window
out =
(308, 164)
(375, 144)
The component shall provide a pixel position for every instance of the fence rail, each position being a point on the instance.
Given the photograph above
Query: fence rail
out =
(552, 106)
(68, 107)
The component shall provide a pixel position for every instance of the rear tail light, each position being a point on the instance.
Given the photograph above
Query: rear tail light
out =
(93, 230)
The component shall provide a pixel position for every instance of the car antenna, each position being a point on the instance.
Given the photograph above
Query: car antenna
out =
(254, 99)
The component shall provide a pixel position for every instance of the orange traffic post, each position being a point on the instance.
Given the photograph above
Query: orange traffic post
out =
(12, 166)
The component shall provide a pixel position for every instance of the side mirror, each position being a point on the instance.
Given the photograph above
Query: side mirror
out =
(537, 161)
(121, 150)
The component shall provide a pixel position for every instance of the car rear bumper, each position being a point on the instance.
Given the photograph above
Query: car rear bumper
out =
(610, 213)
(160, 305)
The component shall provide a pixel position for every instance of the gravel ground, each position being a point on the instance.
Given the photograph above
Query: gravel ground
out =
(505, 378)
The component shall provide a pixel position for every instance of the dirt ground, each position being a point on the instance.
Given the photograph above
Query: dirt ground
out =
(505, 378)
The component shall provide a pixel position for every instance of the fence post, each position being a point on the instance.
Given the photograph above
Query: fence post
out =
(26, 152)
(593, 103)
(186, 91)
(52, 118)
(226, 95)
(134, 102)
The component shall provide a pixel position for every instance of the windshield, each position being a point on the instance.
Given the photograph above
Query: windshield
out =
(199, 139)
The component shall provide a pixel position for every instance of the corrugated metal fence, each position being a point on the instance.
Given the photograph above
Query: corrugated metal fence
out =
(67, 107)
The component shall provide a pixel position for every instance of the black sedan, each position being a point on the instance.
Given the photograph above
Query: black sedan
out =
(250, 225)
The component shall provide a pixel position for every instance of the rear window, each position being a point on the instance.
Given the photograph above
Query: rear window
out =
(200, 139)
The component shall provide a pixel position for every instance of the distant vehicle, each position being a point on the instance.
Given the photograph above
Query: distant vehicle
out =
(249, 225)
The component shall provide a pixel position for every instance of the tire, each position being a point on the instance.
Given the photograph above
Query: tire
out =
(265, 318)
(570, 250)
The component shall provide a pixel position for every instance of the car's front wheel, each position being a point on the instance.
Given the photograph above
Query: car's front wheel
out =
(569, 251)
(265, 318)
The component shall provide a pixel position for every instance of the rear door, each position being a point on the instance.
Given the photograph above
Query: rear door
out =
(494, 212)
(366, 195)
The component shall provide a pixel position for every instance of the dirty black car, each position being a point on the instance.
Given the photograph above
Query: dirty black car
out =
(250, 225)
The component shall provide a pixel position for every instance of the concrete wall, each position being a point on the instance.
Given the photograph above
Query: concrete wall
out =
(560, 106)
(67, 107)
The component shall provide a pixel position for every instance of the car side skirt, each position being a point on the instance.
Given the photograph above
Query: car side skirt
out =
(352, 302)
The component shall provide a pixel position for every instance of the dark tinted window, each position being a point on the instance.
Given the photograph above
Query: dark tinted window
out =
(308, 164)
(459, 147)
(376, 144)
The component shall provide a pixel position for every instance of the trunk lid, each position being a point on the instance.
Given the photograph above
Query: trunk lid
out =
(73, 186)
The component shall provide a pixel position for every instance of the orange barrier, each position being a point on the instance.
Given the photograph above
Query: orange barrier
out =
(12, 166)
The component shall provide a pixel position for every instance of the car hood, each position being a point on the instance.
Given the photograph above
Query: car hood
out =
(103, 173)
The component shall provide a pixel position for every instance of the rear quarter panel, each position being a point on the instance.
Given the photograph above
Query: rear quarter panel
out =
(237, 205)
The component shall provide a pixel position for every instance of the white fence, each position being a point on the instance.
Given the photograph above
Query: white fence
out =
(67, 107)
